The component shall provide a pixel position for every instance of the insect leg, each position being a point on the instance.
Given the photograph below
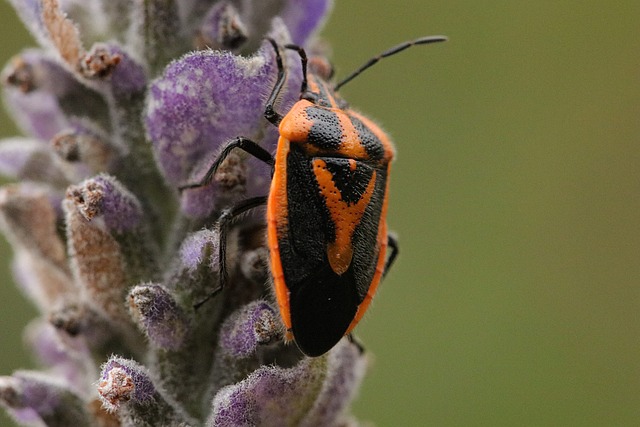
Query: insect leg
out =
(269, 113)
(303, 60)
(353, 340)
(240, 142)
(392, 243)
(226, 218)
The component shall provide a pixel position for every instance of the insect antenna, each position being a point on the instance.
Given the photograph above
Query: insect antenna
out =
(392, 51)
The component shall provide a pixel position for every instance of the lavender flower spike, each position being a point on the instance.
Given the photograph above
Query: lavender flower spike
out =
(121, 104)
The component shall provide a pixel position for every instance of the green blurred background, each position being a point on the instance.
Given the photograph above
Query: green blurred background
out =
(516, 196)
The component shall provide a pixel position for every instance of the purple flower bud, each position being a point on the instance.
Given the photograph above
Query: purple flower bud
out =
(194, 274)
(36, 113)
(85, 149)
(202, 102)
(66, 356)
(124, 381)
(123, 76)
(222, 28)
(30, 222)
(35, 397)
(253, 325)
(46, 97)
(158, 316)
(30, 160)
(109, 246)
(126, 389)
(103, 197)
(346, 367)
(270, 396)
(200, 248)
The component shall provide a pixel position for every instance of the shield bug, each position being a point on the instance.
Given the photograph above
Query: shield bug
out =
(326, 208)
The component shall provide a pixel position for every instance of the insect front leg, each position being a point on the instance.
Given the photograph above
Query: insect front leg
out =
(241, 143)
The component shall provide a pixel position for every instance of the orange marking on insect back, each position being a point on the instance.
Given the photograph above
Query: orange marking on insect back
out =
(295, 126)
(344, 216)
(351, 145)
(276, 224)
(389, 149)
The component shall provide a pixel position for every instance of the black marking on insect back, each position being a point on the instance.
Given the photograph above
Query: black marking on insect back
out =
(371, 143)
(326, 131)
(322, 306)
(303, 247)
(352, 184)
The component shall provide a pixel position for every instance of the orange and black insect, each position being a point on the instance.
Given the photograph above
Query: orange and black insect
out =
(326, 209)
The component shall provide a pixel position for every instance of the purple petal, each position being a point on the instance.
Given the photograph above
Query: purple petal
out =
(109, 245)
(208, 98)
(305, 17)
(203, 100)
